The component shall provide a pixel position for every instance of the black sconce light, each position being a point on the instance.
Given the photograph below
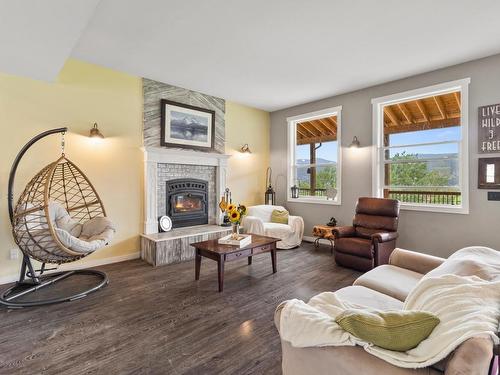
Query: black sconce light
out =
(94, 132)
(355, 143)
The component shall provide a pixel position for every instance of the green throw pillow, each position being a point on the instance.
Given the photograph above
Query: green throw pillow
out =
(279, 216)
(394, 330)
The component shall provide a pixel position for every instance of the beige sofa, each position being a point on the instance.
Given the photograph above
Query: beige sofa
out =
(385, 287)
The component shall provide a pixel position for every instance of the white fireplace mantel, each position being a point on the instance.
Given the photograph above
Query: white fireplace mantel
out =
(155, 155)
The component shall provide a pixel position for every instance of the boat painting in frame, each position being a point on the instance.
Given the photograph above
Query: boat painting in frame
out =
(187, 126)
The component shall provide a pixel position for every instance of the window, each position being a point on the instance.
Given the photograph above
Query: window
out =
(421, 154)
(314, 157)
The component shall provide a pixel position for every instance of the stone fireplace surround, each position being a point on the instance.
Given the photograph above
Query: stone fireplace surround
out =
(158, 161)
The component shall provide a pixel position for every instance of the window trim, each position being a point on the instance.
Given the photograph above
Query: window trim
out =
(291, 136)
(378, 148)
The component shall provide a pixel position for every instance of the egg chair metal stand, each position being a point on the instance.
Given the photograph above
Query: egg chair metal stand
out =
(34, 231)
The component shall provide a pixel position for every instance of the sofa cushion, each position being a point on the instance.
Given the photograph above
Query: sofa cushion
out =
(360, 247)
(365, 297)
(263, 211)
(279, 216)
(393, 330)
(391, 280)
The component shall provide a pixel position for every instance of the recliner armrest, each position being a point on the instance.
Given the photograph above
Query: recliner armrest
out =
(413, 261)
(384, 236)
(346, 231)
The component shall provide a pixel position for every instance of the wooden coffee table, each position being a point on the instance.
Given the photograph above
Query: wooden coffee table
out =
(226, 253)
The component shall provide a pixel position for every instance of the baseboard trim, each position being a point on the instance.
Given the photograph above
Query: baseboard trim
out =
(85, 263)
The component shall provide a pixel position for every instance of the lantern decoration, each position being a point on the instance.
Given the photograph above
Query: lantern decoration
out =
(270, 195)
(295, 192)
(225, 201)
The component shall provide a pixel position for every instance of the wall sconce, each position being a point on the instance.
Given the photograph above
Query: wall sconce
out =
(355, 143)
(95, 133)
(295, 192)
(245, 149)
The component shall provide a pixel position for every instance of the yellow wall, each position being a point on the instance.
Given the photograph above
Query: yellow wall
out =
(83, 93)
(86, 93)
(247, 172)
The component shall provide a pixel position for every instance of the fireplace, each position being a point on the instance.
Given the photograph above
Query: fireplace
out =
(187, 202)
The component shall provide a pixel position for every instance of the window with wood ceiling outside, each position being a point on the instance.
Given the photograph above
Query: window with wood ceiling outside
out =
(316, 158)
(421, 150)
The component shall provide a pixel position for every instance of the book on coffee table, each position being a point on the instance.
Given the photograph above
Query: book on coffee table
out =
(242, 240)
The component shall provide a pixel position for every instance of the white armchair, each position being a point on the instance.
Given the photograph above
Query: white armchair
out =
(258, 221)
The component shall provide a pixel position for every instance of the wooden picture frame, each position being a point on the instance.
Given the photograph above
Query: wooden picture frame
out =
(187, 126)
(489, 173)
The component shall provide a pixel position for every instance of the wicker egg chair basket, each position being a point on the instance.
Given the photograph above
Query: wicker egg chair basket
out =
(63, 182)
(33, 229)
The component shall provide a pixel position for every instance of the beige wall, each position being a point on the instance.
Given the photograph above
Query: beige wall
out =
(82, 94)
(247, 172)
(436, 233)
(86, 93)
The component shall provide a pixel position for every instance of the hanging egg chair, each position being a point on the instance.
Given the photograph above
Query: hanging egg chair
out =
(59, 218)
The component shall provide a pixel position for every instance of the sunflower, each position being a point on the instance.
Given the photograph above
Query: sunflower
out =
(234, 216)
(230, 207)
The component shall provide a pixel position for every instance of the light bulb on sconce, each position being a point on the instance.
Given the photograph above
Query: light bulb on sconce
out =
(355, 143)
(245, 149)
(95, 133)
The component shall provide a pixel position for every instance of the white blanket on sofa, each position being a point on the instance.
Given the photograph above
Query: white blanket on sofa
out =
(464, 292)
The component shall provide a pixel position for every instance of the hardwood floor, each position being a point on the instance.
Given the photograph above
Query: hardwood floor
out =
(161, 321)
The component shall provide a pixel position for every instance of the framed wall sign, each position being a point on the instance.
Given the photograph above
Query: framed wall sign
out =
(489, 173)
(187, 126)
(489, 129)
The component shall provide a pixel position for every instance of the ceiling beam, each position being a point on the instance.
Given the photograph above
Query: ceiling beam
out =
(320, 139)
(316, 126)
(305, 130)
(326, 125)
(392, 116)
(440, 106)
(422, 109)
(457, 99)
(406, 113)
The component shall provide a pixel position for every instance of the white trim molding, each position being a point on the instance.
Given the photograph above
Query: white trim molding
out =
(155, 155)
(378, 104)
(291, 136)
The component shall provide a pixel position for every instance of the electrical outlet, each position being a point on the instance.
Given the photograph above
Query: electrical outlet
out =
(14, 253)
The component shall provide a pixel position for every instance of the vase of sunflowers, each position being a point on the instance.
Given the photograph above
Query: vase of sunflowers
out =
(235, 214)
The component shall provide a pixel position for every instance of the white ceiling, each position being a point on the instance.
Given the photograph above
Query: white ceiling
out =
(269, 54)
(37, 36)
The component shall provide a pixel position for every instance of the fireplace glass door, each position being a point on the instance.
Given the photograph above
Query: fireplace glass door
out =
(187, 202)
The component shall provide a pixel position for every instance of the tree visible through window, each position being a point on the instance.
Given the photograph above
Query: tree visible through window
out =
(315, 156)
(421, 147)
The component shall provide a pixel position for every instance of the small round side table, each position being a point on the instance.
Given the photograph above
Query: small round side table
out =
(323, 232)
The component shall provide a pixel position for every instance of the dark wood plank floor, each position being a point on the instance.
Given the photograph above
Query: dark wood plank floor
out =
(160, 321)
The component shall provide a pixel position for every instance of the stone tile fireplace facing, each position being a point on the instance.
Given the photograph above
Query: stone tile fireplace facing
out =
(165, 164)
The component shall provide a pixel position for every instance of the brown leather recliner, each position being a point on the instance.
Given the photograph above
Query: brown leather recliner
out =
(371, 239)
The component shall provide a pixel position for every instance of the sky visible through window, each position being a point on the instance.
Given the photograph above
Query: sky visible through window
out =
(327, 152)
(428, 136)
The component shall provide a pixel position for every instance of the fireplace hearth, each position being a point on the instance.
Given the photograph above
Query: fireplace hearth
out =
(187, 202)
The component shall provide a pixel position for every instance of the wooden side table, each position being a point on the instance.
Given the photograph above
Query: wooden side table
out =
(323, 232)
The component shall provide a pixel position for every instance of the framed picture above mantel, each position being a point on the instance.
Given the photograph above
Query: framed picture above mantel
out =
(187, 126)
